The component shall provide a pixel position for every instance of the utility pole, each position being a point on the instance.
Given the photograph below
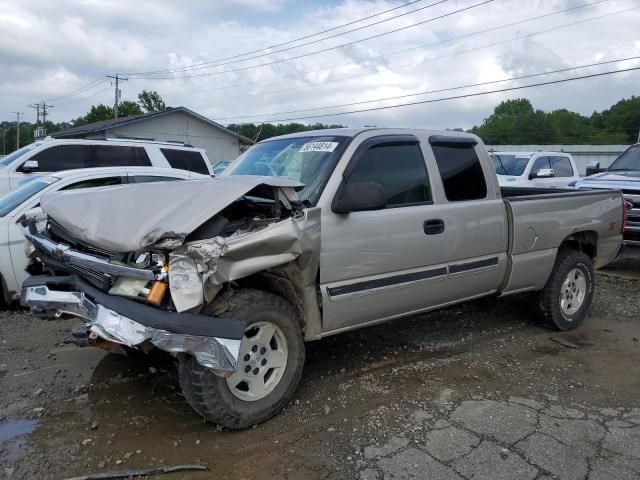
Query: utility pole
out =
(44, 111)
(37, 107)
(117, 93)
(18, 128)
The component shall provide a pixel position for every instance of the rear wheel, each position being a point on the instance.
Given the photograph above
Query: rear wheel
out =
(566, 297)
(269, 365)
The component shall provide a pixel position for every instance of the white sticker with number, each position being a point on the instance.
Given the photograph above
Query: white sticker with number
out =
(319, 147)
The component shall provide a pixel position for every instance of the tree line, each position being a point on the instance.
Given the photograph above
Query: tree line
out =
(513, 122)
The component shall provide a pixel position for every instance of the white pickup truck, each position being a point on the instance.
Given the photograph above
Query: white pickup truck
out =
(305, 236)
(534, 169)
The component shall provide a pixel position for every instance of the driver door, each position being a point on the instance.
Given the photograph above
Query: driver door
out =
(379, 264)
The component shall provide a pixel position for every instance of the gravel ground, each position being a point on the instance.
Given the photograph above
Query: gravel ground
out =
(477, 391)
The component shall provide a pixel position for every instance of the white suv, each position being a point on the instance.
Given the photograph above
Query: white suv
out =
(54, 155)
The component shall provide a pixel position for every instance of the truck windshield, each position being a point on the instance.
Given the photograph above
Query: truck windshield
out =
(24, 193)
(308, 160)
(629, 160)
(17, 154)
(509, 164)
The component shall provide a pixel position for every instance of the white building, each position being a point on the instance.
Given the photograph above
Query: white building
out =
(179, 125)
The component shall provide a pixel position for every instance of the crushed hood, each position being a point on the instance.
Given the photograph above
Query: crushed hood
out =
(128, 218)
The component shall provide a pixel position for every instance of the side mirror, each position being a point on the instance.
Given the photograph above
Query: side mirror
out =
(593, 167)
(542, 173)
(357, 197)
(30, 166)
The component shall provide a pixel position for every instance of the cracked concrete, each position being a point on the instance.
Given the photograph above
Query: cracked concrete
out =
(518, 439)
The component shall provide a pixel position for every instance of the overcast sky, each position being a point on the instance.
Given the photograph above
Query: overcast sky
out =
(49, 49)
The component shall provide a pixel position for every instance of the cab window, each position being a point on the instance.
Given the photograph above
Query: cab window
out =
(461, 171)
(561, 166)
(399, 168)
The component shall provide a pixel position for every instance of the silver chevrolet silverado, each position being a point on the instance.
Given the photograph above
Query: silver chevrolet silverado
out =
(305, 236)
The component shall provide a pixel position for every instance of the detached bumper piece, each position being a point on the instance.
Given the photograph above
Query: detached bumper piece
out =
(213, 341)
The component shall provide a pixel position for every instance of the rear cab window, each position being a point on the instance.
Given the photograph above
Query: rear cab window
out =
(189, 160)
(460, 168)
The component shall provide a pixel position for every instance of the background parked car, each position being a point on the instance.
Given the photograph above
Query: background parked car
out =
(534, 169)
(623, 174)
(54, 155)
(220, 167)
(13, 260)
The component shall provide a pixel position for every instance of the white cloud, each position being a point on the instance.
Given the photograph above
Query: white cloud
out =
(50, 48)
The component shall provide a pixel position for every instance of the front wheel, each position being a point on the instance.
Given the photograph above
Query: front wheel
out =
(566, 297)
(269, 366)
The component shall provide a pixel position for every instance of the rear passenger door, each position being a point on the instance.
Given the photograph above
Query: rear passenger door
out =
(474, 218)
(379, 264)
(189, 160)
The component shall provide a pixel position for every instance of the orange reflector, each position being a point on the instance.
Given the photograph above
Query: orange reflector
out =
(156, 293)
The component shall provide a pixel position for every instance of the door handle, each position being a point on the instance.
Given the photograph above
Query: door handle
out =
(433, 226)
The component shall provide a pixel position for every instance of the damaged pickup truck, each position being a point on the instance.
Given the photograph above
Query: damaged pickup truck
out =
(305, 236)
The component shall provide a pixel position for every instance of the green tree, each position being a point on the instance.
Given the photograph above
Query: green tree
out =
(101, 112)
(128, 108)
(151, 101)
(97, 113)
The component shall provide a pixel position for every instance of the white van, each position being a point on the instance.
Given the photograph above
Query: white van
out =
(54, 155)
(534, 169)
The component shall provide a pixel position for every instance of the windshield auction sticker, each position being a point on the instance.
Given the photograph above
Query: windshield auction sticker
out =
(319, 147)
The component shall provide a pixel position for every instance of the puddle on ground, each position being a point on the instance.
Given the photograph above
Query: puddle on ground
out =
(16, 428)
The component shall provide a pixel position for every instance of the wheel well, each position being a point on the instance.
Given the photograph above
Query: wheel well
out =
(278, 284)
(586, 242)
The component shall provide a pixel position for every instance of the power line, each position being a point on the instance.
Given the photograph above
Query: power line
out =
(484, 2)
(456, 97)
(299, 38)
(460, 87)
(410, 64)
(84, 98)
(79, 90)
(215, 63)
(396, 52)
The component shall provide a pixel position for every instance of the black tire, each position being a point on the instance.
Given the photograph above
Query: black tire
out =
(210, 395)
(550, 296)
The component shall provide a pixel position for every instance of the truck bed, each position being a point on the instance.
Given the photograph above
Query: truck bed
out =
(542, 218)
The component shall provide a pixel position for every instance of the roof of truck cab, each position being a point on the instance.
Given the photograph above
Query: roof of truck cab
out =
(352, 132)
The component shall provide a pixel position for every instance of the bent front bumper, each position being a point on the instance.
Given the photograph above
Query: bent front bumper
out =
(213, 341)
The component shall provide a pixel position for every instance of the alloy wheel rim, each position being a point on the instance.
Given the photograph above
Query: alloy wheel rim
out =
(261, 364)
(573, 291)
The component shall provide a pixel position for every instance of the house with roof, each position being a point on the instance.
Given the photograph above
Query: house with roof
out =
(175, 125)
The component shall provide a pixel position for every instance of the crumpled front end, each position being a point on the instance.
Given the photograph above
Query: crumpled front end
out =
(155, 294)
(215, 342)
